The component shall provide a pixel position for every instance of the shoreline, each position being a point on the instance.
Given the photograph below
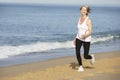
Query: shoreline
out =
(57, 53)
(5, 72)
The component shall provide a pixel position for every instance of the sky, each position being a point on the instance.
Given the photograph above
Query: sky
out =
(67, 2)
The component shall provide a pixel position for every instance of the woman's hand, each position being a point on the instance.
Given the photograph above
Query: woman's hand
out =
(82, 36)
(74, 42)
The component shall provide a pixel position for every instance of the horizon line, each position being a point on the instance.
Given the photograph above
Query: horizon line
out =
(44, 4)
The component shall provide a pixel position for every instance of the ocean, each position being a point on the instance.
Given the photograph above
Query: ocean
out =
(30, 33)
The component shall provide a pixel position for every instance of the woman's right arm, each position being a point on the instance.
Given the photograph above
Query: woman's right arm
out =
(74, 41)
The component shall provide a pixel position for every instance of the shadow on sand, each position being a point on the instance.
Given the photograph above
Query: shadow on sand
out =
(75, 66)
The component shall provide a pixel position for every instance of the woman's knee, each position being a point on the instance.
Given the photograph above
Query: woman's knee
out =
(87, 57)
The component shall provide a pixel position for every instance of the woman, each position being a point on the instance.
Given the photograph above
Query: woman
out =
(84, 37)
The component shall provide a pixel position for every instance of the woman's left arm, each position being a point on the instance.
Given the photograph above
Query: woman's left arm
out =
(89, 24)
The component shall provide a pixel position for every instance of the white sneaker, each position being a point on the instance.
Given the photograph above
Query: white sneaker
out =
(92, 60)
(80, 69)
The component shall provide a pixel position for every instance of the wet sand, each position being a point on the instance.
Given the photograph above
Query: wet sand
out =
(106, 67)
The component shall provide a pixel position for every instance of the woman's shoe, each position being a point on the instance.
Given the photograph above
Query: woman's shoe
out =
(80, 69)
(93, 59)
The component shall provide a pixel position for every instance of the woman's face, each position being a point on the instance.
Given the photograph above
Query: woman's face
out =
(83, 11)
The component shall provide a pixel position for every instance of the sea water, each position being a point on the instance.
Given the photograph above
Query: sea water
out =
(30, 33)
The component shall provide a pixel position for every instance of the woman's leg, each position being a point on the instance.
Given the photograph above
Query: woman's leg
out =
(86, 46)
(77, 48)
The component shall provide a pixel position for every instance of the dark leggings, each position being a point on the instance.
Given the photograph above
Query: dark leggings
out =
(86, 46)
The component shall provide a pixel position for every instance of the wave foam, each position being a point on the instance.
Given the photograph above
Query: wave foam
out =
(101, 39)
(7, 51)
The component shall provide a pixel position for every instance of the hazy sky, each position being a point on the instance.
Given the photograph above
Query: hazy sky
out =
(68, 2)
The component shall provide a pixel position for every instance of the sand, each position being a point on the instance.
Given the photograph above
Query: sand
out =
(106, 67)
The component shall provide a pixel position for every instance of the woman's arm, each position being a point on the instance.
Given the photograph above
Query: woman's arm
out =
(89, 23)
(74, 40)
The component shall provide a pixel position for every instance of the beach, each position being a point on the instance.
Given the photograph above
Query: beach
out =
(106, 67)
(36, 43)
